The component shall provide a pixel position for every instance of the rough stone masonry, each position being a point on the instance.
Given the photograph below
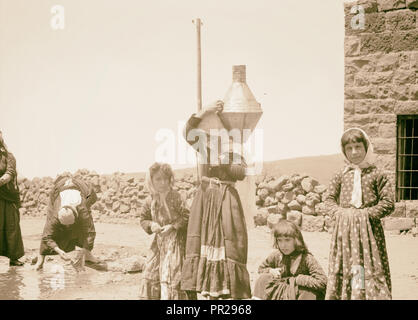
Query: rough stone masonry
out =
(381, 81)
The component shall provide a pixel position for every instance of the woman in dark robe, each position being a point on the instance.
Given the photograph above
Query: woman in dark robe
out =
(11, 243)
(217, 241)
(68, 225)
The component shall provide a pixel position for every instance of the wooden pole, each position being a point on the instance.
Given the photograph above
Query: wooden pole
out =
(198, 23)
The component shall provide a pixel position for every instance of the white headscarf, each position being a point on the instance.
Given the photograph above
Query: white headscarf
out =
(70, 199)
(356, 196)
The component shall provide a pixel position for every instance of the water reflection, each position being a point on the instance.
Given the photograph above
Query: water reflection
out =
(18, 283)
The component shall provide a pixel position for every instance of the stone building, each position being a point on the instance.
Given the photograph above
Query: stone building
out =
(381, 91)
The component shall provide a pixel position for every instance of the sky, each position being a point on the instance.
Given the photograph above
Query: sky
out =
(98, 93)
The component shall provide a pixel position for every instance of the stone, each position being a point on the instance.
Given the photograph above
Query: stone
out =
(405, 40)
(386, 5)
(411, 209)
(263, 193)
(288, 186)
(307, 210)
(269, 201)
(321, 209)
(259, 201)
(282, 208)
(308, 184)
(280, 182)
(299, 190)
(376, 42)
(288, 196)
(414, 231)
(260, 219)
(296, 179)
(273, 220)
(320, 189)
(412, 4)
(272, 209)
(351, 46)
(115, 206)
(316, 198)
(23, 211)
(124, 208)
(294, 205)
(279, 195)
(295, 217)
(312, 223)
(301, 199)
(398, 223)
(400, 20)
(399, 210)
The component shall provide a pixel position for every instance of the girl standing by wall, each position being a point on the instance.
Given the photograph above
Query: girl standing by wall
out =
(359, 196)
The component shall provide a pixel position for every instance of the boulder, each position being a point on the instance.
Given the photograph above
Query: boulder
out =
(279, 195)
(295, 217)
(321, 209)
(308, 210)
(288, 197)
(115, 206)
(398, 223)
(312, 223)
(280, 182)
(320, 189)
(269, 201)
(272, 209)
(288, 186)
(294, 205)
(259, 201)
(260, 219)
(273, 220)
(282, 208)
(308, 184)
(301, 199)
(263, 193)
(124, 208)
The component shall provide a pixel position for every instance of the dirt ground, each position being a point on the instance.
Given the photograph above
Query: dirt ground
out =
(129, 239)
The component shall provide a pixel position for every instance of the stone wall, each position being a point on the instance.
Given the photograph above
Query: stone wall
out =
(381, 77)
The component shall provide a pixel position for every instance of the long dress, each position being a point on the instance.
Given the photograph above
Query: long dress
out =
(217, 240)
(82, 233)
(302, 278)
(162, 275)
(358, 261)
(11, 243)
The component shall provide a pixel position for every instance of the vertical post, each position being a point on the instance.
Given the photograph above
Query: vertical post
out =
(199, 67)
(200, 167)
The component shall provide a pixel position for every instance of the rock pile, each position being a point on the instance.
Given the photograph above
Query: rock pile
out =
(119, 195)
(297, 198)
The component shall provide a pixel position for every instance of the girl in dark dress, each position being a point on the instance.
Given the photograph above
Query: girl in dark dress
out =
(11, 243)
(217, 242)
(291, 272)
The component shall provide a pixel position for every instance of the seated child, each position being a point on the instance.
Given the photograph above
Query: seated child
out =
(291, 272)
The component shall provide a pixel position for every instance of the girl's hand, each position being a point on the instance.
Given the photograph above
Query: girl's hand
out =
(155, 227)
(217, 107)
(167, 228)
(276, 272)
(64, 255)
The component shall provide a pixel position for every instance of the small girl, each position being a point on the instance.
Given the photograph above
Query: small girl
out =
(164, 215)
(359, 196)
(291, 272)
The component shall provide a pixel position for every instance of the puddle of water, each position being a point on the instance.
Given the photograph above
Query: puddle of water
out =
(18, 283)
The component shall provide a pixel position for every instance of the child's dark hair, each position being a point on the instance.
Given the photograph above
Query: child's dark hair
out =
(165, 170)
(285, 228)
(353, 136)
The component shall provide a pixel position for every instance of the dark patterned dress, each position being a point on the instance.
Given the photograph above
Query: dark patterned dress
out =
(217, 241)
(162, 275)
(11, 243)
(302, 277)
(358, 261)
